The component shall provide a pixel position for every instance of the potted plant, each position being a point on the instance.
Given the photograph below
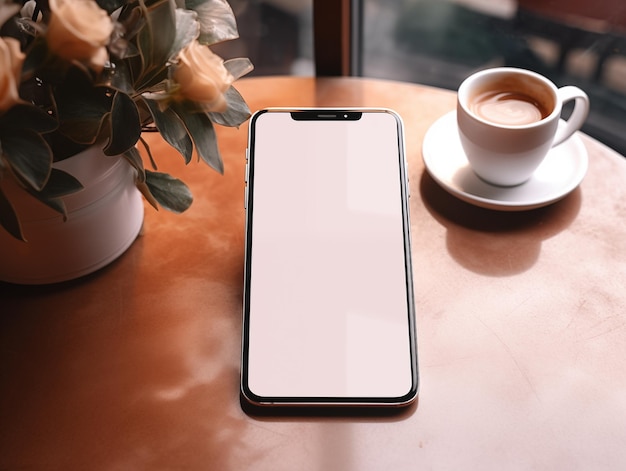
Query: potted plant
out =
(78, 75)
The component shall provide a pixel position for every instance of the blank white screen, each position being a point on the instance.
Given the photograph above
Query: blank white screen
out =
(329, 314)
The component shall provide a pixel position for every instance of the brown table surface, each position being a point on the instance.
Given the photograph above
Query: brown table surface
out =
(521, 331)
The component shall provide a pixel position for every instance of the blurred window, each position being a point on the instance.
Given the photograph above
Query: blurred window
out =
(277, 36)
(440, 42)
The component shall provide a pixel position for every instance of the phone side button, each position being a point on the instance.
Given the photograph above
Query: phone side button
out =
(245, 197)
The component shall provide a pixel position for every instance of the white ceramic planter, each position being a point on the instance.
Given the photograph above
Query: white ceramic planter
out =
(103, 221)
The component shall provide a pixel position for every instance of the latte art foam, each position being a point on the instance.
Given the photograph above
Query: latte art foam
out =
(509, 108)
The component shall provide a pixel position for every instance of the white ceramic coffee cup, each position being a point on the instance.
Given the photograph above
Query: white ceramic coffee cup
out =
(508, 154)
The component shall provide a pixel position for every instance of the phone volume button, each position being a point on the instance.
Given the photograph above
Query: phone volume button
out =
(245, 197)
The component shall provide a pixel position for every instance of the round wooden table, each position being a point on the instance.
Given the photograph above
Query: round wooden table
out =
(521, 321)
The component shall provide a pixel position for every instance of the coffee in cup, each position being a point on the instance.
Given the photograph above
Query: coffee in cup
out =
(508, 120)
(508, 107)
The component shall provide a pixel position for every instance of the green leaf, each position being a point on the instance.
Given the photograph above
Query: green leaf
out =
(155, 42)
(36, 55)
(239, 67)
(145, 191)
(203, 134)
(125, 125)
(8, 218)
(161, 27)
(237, 110)
(187, 30)
(82, 107)
(217, 20)
(149, 152)
(171, 128)
(120, 78)
(60, 184)
(133, 157)
(29, 156)
(62, 147)
(171, 193)
(23, 116)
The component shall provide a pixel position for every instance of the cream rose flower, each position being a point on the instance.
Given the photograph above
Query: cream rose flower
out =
(79, 30)
(202, 77)
(11, 59)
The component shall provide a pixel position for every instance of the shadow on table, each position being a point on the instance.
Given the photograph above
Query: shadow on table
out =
(496, 243)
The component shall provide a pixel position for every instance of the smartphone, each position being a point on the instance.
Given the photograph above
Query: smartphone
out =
(328, 309)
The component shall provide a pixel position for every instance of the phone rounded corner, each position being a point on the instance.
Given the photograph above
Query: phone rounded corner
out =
(249, 406)
(248, 399)
(412, 397)
(257, 114)
(391, 112)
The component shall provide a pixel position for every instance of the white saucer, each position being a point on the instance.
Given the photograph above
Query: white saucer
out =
(559, 174)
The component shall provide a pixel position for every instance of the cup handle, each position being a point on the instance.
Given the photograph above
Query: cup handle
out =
(576, 120)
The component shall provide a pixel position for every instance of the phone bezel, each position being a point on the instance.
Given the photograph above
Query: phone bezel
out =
(264, 402)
